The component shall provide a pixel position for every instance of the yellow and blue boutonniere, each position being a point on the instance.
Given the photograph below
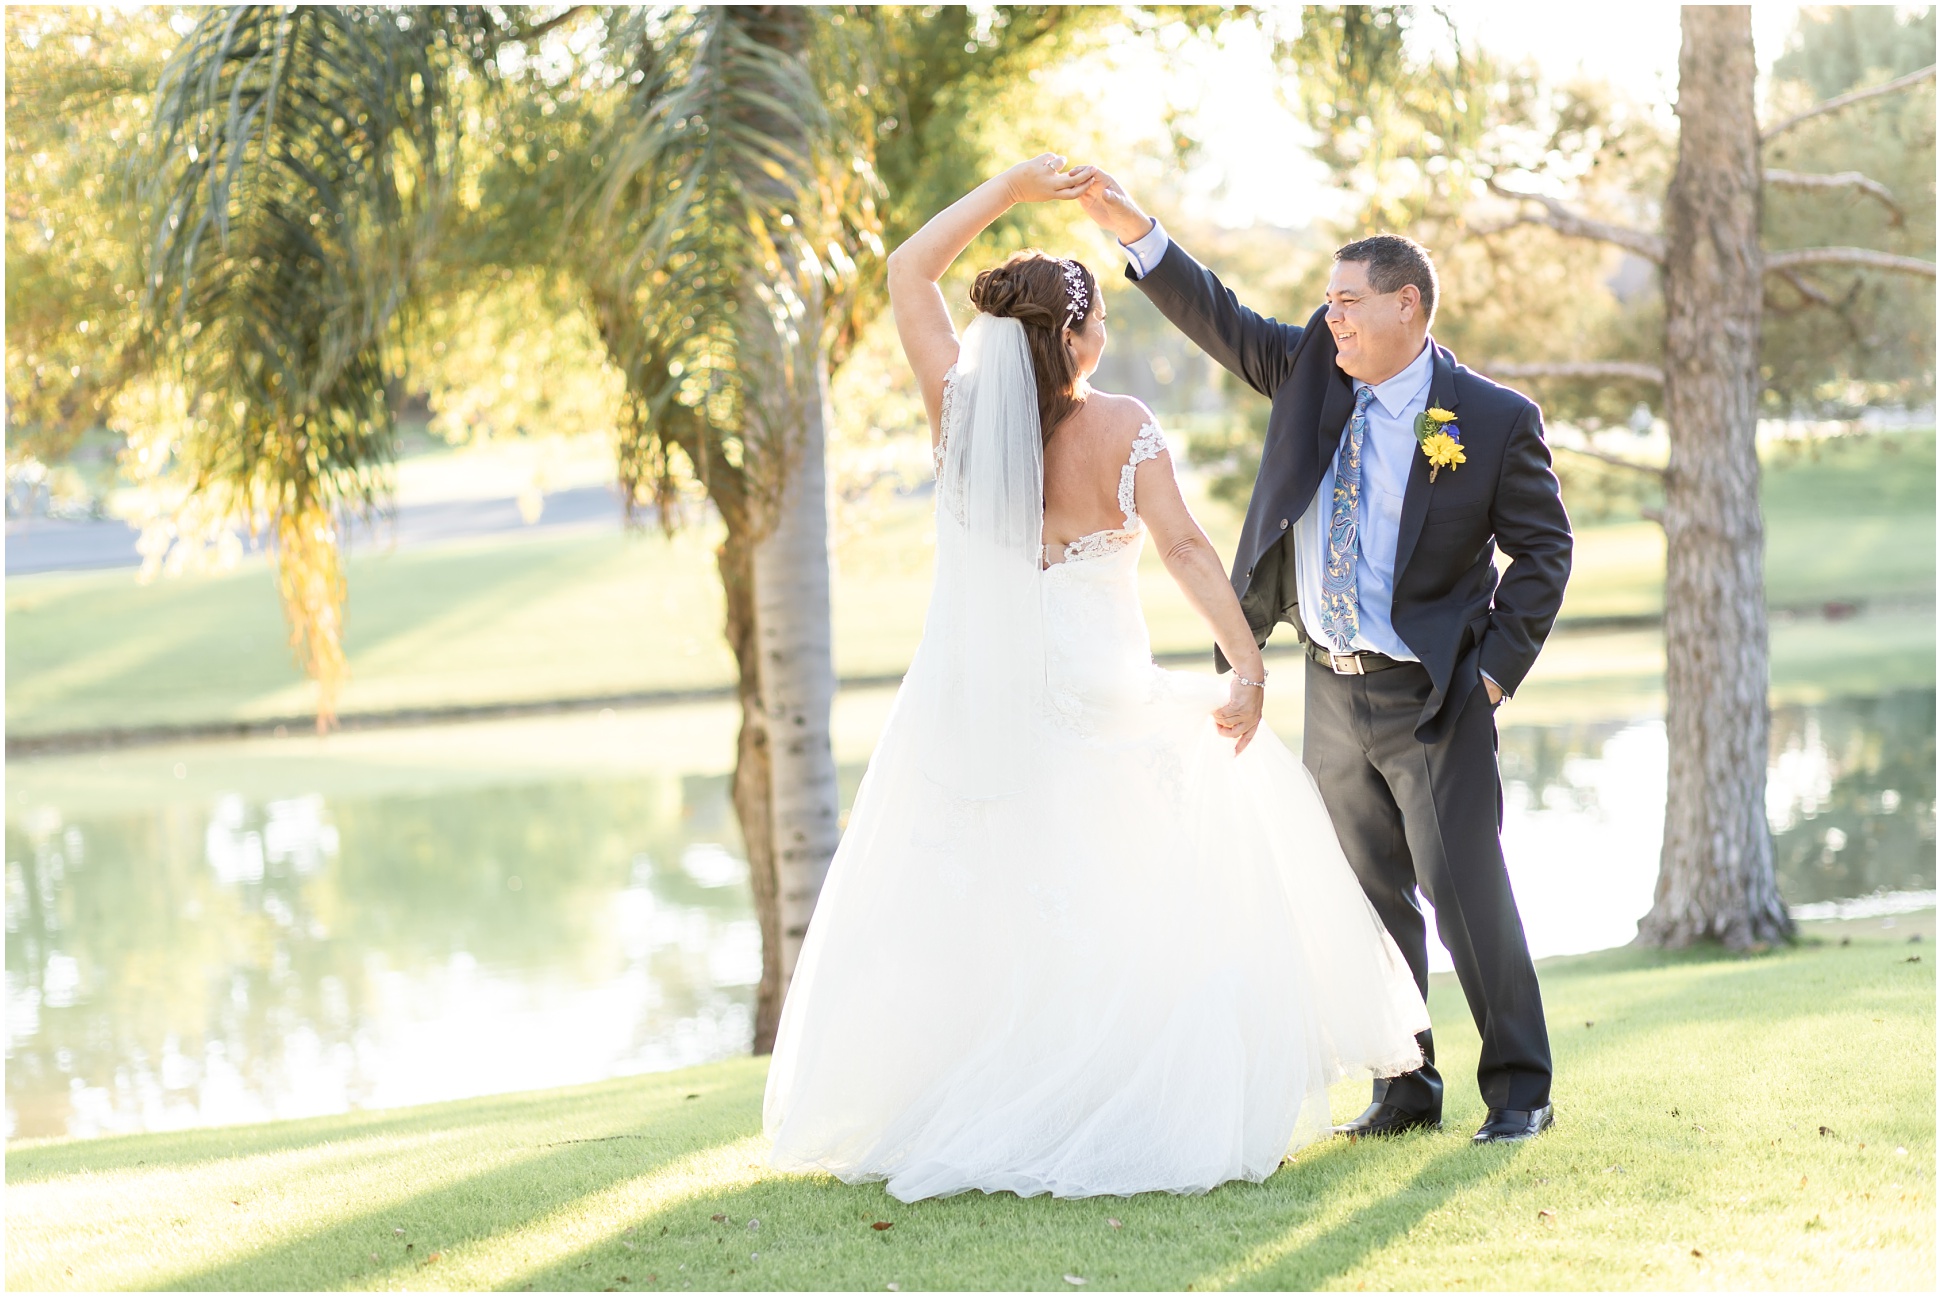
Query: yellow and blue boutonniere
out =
(1441, 440)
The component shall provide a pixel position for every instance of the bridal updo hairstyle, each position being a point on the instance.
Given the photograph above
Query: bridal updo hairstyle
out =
(1032, 288)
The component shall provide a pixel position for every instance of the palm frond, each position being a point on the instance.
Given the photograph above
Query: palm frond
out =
(729, 198)
(303, 159)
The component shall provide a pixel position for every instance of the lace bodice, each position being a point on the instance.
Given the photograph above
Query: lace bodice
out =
(1146, 444)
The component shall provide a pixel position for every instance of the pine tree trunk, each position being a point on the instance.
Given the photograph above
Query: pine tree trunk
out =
(1715, 877)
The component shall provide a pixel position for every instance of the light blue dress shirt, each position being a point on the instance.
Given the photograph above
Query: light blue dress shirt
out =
(1386, 456)
(1387, 453)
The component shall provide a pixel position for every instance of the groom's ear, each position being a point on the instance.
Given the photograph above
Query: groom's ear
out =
(1409, 299)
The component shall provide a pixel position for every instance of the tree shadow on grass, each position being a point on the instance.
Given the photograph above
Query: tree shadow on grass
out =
(1307, 1263)
(804, 1232)
(534, 1181)
(605, 1108)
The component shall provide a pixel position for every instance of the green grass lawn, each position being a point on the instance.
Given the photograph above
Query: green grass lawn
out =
(1764, 1122)
(520, 618)
(1847, 519)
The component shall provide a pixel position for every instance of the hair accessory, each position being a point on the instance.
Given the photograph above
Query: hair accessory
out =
(1079, 301)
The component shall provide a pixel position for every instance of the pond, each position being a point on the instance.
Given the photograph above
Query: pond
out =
(240, 931)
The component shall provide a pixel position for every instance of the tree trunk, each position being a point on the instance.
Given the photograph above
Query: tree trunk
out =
(753, 777)
(785, 784)
(798, 675)
(1715, 877)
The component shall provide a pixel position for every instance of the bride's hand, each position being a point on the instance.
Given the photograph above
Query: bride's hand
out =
(1041, 179)
(1239, 719)
(1107, 203)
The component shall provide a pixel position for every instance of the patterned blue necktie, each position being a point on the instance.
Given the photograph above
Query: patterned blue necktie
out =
(1340, 616)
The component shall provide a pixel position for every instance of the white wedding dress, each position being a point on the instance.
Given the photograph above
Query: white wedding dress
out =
(1070, 943)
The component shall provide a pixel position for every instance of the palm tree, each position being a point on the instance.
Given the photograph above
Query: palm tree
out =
(726, 209)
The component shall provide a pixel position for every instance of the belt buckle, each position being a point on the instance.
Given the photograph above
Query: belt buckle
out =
(1354, 667)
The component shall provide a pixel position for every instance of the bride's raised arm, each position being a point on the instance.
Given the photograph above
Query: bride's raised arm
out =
(922, 320)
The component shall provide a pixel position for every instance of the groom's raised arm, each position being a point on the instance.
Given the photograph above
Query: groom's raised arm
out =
(1257, 348)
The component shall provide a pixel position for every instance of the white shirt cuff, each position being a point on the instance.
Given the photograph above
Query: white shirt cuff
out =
(1145, 251)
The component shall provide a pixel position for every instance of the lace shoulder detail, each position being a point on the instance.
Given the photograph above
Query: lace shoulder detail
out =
(1149, 442)
(1145, 446)
(944, 414)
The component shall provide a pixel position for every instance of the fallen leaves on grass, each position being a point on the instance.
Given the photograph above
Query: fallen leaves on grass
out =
(1545, 1214)
(1826, 1130)
(1076, 1281)
(719, 1217)
(754, 1225)
(1113, 1221)
(882, 1224)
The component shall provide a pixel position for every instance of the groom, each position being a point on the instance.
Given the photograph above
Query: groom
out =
(1373, 536)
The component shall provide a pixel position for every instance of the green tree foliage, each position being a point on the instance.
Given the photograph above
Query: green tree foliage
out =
(1837, 337)
(303, 162)
(1837, 48)
(78, 96)
(1432, 141)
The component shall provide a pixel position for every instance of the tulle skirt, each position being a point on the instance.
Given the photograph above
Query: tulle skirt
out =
(1141, 972)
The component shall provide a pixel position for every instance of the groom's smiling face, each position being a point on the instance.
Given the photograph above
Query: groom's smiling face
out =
(1376, 335)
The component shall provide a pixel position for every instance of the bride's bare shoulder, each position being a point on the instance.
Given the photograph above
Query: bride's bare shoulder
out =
(1119, 417)
(1117, 409)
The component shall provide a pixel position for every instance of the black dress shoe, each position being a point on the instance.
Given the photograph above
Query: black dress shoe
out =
(1507, 1125)
(1381, 1119)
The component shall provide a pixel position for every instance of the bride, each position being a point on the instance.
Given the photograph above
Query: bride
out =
(1089, 930)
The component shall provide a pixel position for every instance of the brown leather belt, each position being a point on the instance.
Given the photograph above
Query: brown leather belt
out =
(1352, 664)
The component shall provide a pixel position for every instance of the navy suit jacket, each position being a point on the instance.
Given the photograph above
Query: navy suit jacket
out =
(1451, 607)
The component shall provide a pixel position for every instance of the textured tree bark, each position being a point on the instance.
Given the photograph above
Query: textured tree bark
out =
(795, 646)
(785, 784)
(753, 778)
(779, 622)
(1715, 877)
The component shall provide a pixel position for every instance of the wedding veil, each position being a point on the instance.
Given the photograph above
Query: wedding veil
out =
(982, 672)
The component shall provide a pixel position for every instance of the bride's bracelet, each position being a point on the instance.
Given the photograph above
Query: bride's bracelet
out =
(1256, 684)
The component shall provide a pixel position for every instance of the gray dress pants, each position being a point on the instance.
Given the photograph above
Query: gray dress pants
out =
(1430, 815)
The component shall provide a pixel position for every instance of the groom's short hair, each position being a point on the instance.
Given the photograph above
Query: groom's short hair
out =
(1393, 261)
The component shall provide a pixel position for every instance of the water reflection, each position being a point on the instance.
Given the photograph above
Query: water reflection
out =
(184, 960)
(1850, 795)
(190, 965)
